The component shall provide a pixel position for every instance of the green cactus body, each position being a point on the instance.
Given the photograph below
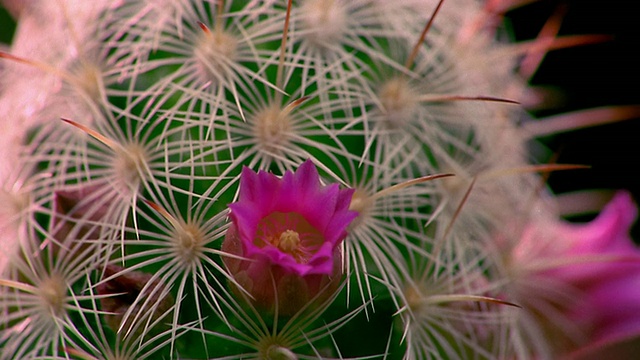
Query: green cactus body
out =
(119, 211)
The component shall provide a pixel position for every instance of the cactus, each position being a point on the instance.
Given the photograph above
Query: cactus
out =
(286, 179)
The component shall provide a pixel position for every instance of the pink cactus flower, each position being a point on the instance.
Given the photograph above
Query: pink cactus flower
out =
(612, 288)
(289, 230)
(598, 266)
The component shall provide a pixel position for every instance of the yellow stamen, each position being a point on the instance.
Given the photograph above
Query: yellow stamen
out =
(289, 241)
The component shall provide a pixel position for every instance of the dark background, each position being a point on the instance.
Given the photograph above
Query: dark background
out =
(591, 76)
(587, 76)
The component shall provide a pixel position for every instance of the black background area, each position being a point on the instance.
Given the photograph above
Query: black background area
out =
(592, 76)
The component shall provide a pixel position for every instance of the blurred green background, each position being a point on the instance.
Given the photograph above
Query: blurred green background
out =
(7, 26)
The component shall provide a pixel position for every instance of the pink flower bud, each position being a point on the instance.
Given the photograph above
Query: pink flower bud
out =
(78, 211)
(288, 231)
(126, 290)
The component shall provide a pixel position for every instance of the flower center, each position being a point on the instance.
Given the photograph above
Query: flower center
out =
(289, 241)
(291, 233)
